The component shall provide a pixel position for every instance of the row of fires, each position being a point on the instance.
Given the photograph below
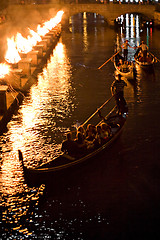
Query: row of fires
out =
(19, 46)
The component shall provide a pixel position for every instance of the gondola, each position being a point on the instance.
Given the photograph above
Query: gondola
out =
(130, 74)
(64, 164)
(144, 64)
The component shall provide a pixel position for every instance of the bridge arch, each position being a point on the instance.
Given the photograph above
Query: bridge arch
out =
(109, 11)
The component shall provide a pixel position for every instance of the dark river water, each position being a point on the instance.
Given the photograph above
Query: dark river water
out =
(115, 196)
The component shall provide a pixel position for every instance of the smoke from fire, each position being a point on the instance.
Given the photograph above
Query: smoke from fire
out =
(20, 20)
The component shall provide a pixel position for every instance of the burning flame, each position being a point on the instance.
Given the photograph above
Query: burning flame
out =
(12, 55)
(34, 37)
(20, 44)
(47, 26)
(4, 69)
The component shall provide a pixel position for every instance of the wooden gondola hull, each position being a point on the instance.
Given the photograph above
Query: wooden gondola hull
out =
(63, 169)
(145, 64)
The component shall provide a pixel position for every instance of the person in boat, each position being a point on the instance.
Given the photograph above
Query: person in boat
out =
(141, 59)
(82, 144)
(82, 130)
(125, 46)
(124, 67)
(117, 89)
(69, 145)
(120, 63)
(106, 131)
(148, 58)
(99, 136)
(90, 132)
(144, 49)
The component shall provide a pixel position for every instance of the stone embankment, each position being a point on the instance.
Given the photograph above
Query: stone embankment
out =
(23, 75)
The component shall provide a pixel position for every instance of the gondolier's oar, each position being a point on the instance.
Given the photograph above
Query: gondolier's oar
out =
(97, 110)
(154, 57)
(109, 59)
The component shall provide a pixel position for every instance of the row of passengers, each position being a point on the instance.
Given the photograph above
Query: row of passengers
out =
(124, 66)
(86, 140)
(140, 57)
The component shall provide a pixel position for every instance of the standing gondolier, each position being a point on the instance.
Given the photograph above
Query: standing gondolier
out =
(117, 89)
(125, 46)
(144, 49)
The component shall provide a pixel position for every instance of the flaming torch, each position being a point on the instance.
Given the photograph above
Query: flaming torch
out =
(12, 56)
(4, 70)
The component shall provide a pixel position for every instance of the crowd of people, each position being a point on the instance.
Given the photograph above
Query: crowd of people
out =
(124, 66)
(86, 139)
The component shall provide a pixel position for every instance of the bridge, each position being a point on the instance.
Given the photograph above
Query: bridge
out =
(109, 11)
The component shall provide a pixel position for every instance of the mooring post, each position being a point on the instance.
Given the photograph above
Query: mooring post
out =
(3, 100)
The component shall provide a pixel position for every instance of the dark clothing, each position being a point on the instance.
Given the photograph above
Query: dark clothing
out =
(81, 148)
(125, 54)
(125, 46)
(118, 85)
(144, 54)
(69, 146)
(120, 101)
(119, 95)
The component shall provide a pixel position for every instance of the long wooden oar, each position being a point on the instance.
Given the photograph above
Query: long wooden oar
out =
(97, 110)
(154, 57)
(109, 59)
(103, 118)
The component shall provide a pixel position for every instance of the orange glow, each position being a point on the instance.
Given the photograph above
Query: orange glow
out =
(59, 51)
(22, 44)
(34, 37)
(47, 26)
(12, 55)
(4, 69)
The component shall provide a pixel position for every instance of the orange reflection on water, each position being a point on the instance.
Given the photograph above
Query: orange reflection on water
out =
(11, 176)
(29, 131)
(47, 98)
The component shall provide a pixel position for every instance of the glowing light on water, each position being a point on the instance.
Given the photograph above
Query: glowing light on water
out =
(51, 95)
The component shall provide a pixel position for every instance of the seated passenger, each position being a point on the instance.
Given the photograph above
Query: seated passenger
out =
(106, 131)
(148, 58)
(82, 130)
(98, 137)
(81, 144)
(68, 145)
(90, 132)
(120, 62)
(141, 59)
(124, 67)
(131, 65)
